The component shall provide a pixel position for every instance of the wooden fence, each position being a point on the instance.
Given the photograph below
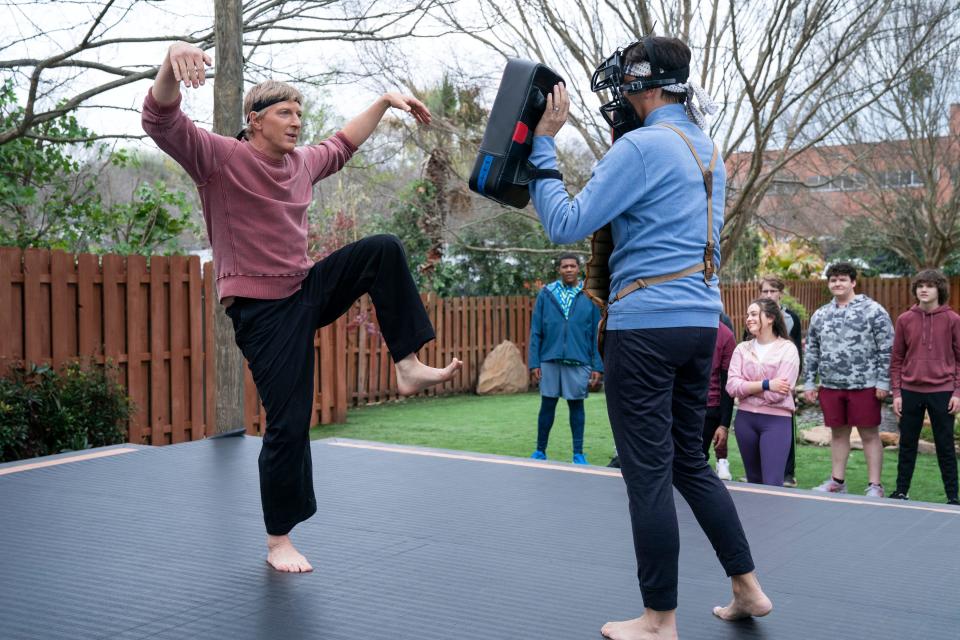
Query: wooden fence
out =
(147, 317)
(893, 293)
(467, 328)
(153, 318)
(738, 296)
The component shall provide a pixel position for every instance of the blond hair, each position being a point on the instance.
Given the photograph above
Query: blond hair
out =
(265, 93)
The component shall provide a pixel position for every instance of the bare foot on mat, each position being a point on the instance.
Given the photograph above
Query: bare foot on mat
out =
(283, 556)
(749, 600)
(413, 376)
(642, 628)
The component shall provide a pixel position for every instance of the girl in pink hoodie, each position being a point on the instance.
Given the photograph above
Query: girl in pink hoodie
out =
(763, 372)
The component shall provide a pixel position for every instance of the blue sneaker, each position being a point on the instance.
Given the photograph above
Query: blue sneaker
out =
(579, 458)
(539, 455)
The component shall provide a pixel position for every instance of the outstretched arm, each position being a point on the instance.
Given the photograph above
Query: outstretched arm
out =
(183, 63)
(360, 128)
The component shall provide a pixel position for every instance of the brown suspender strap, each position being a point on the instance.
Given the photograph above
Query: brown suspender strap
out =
(707, 265)
(643, 283)
(708, 186)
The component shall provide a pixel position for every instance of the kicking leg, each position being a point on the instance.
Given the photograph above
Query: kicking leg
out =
(377, 265)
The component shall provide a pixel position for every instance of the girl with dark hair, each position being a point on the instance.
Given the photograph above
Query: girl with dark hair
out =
(763, 372)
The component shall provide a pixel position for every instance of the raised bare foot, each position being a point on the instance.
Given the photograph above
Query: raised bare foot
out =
(283, 556)
(643, 628)
(413, 376)
(749, 600)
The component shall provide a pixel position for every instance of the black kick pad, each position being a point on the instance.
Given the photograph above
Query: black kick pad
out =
(502, 170)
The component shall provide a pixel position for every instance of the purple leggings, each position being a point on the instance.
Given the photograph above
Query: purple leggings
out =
(764, 443)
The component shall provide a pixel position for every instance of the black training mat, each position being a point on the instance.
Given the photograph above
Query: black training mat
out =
(168, 542)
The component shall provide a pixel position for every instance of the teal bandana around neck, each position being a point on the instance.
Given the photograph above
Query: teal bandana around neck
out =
(565, 295)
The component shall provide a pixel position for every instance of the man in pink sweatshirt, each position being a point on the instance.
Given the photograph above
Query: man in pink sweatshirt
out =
(925, 376)
(255, 190)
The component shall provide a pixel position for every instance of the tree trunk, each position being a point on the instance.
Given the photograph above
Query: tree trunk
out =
(227, 118)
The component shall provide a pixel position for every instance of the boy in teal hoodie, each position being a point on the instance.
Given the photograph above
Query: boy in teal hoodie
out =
(563, 353)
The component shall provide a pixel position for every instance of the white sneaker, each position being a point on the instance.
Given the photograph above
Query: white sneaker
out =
(723, 469)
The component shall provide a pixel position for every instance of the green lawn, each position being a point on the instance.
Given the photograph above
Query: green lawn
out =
(506, 425)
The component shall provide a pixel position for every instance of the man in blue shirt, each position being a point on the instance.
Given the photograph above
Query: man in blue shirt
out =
(563, 353)
(662, 190)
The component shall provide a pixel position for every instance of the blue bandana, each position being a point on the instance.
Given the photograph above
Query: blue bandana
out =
(564, 295)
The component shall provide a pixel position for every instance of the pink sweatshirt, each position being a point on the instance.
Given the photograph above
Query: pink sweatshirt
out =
(780, 361)
(255, 207)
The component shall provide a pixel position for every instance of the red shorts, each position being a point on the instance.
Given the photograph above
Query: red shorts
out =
(850, 407)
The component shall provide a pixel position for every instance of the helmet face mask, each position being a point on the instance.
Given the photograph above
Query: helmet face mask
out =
(609, 75)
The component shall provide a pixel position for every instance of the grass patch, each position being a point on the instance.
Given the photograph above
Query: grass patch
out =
(507, 425)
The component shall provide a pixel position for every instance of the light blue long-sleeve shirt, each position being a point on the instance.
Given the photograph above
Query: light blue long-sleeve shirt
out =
(651, 189)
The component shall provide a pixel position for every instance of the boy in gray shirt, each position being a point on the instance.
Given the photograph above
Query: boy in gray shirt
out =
(849, 342)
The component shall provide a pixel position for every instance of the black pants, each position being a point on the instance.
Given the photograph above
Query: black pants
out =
(914, 404)
(711, 422)
(276, 337)
(656, 396)
(791, 468)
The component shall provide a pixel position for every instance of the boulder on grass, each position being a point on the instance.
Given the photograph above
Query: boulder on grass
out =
(503, 371)
(819, 436)
(926, 448)
(890, 439)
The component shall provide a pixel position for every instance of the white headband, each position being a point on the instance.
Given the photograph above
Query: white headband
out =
(704, 103)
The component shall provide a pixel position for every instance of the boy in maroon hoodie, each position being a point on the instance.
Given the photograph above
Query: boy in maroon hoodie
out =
(255, 191)
(925, 376)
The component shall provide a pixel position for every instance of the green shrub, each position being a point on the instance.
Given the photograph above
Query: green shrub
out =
(14, 420)
(926, 432)
(46, 411)
(794, 305)
(94, 404)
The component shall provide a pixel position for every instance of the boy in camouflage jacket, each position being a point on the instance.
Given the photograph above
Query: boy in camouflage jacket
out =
(849, 342)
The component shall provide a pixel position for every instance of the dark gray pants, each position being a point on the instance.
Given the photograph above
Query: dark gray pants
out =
(656, 397)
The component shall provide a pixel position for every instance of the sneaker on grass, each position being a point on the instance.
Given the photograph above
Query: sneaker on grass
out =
(579, 458)
(723, 469)
(539, 455)
(898, 495)
(789, 481)
(874, 491)
(831, 486)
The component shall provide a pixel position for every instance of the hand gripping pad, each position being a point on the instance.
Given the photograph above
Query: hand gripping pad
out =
(503, 170)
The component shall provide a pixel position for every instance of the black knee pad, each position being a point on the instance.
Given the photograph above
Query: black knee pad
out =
(503, 171)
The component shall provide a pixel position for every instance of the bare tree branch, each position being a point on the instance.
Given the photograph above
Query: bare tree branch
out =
(788, 74)
(267, 24)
